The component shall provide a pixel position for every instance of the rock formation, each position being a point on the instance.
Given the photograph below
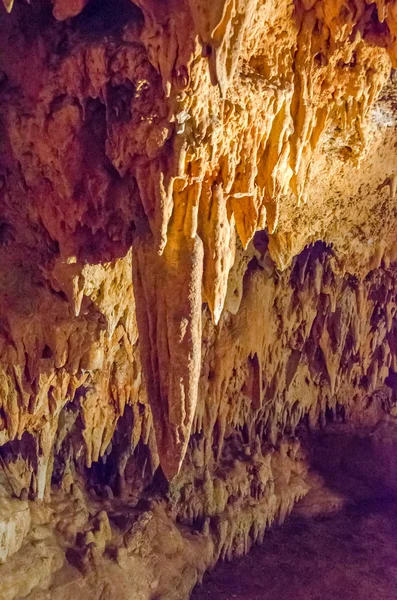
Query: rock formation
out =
(198, 280)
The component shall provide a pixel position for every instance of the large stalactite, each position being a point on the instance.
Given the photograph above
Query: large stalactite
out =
(198, 278)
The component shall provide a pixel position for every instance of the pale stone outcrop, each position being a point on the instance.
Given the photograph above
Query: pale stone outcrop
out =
(14, 525)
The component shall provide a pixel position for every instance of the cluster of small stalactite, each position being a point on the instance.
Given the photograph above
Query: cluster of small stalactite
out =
(321, 340)
(322, 350)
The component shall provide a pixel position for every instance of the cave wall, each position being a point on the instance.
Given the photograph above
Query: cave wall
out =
(197, 268)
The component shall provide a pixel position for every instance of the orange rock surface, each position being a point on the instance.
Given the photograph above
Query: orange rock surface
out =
(197, 259)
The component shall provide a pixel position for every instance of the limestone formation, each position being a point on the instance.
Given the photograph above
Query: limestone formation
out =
(198, 280)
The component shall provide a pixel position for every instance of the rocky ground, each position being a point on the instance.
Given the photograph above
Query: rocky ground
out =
(352, 556)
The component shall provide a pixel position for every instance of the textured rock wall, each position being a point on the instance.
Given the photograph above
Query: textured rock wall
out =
(197, 265)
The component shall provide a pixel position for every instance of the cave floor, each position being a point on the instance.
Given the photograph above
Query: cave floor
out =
(351, 556)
